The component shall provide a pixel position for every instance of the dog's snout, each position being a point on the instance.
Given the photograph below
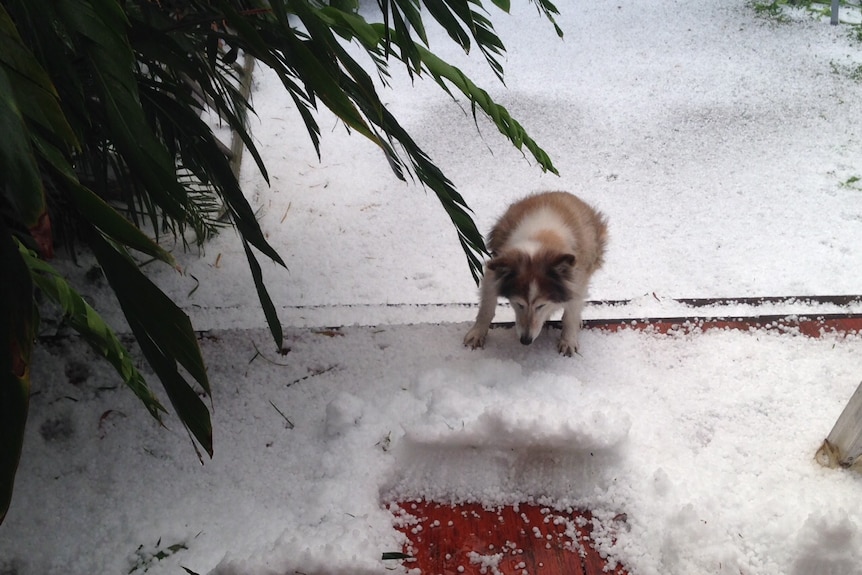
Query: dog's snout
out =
(526, 339)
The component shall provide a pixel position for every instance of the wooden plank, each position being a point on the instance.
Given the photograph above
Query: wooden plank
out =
(839, 300)
(468, 539)
(807, 326)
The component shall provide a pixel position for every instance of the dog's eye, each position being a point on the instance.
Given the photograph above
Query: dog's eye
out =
(540, 306)
(519, 305)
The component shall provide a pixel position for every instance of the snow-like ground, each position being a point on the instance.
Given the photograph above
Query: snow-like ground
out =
(723, 148)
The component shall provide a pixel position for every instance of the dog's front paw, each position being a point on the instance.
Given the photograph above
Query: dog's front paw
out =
(568, 347)
(475, 338)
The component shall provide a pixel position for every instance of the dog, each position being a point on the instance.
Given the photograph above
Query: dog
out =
(543, 252)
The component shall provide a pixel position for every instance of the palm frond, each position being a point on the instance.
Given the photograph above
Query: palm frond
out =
(101, 106)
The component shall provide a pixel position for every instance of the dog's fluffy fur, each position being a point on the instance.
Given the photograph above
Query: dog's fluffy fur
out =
(543, 251)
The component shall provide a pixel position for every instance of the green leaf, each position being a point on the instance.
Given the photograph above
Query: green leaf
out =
(429, 174)
(115, 226)
(164, 333)
(448, 12)
(272, 44)
(36, 95)
(411, 11)
(20, 181)
(406, 20)
(141, 299)
(508, 126)
(97, 211)
(349, 6)
(111, 63)
(200, 153)
(263, 295)
(319, 74)
(17, 329)
(89, 324)
(355, 25)
(549, 10)
(441, 12)
(188, 405)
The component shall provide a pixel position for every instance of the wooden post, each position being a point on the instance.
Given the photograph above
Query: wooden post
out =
(234, 154)
(843, 446)
(245, 73)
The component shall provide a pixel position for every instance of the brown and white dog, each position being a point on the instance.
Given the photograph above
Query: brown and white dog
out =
(543, 251)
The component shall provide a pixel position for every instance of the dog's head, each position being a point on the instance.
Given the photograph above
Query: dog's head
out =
(536, 285)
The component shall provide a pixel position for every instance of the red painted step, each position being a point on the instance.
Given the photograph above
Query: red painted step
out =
(813, 326)
(468, 539)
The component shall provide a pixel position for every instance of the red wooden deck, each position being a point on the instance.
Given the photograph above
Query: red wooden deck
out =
(528, 540)
(524, 540)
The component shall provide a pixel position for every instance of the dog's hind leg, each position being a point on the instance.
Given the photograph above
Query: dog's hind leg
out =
(487, 308)
(571, 327)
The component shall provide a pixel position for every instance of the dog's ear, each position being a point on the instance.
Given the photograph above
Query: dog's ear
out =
(502, 266)
(563, 264)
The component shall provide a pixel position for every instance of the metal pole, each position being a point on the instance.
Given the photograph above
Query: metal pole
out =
(834, 20)
(843, 446)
